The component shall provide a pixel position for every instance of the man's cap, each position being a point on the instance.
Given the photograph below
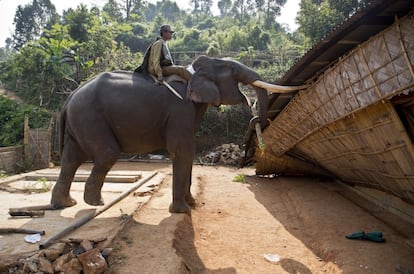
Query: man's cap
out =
(166, 28)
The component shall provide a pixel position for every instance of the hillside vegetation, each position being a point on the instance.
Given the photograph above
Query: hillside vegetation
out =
(50, 54)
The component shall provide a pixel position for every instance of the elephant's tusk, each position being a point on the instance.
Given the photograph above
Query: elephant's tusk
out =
(277, 88)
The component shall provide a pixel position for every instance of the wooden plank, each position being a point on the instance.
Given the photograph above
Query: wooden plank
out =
(84, 177)
(87, 172)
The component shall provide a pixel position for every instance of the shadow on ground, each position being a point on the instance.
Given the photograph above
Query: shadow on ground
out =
(153, 254)
(320, 214)
(184, 244)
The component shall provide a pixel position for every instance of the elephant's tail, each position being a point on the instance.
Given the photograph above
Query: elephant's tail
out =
(62, 116)
(62, 122)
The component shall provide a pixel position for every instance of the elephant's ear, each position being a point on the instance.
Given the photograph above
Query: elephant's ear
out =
(203, 90)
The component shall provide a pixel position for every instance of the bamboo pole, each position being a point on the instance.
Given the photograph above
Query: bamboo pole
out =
(26, 140)
(83, 220)
(403, 48)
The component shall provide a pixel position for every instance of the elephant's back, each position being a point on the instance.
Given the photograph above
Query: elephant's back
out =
(136, 86)
(121, 97)
(118, 88)
(129, 107)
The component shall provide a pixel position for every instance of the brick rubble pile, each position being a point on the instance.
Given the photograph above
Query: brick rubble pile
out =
(226, 154)
(75, 257)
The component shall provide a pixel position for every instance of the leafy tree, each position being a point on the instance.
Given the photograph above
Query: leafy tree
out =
(31, 20)
(317, 18)
(128, 6)
(138, 6)
(206, 25)
(242, 10)
(38, 73)
(202, 6)
(151, 12)
(113, 10)
(192, 40)
(205, 6)
(213, 49)
(271, 9)
(346, 7)
(196, 5)
(224, 124)
(224, 7)
(234, 40)
(79, 22)
(258, 39)
(169, 10)
(6, 52)
(12, 120)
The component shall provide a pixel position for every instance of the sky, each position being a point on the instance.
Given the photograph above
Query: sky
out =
(8, 10)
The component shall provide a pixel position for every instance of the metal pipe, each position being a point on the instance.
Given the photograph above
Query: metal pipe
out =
(83, 220)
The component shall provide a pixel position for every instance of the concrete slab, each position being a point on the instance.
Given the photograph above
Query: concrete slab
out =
(105, 225)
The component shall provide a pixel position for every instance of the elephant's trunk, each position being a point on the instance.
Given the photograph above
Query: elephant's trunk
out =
(263, 100)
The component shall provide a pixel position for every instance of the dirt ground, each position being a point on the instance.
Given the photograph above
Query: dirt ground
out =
(302, 221)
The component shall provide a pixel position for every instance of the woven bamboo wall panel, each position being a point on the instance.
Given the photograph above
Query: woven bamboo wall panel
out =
(370, 148)
(287, 165)
(376, 70)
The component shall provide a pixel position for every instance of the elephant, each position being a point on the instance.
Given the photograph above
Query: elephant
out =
(126, 112)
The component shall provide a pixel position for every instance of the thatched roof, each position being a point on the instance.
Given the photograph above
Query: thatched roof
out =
(355, 120)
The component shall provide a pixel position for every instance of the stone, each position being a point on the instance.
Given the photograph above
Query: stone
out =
(226, 146)
(87, 245)
(58, 264)
(106, 252)
(30, 267)
(54, 251)
(74, 266)
(228, 154)
(93, 262)
(45, 265)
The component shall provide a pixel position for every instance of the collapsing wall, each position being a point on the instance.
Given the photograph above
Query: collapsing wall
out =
(345, 121)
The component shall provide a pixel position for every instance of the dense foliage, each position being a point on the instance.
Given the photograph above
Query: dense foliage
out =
(12, 120)
(51, 54)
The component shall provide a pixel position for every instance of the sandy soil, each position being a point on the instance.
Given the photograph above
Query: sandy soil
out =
(301, 220)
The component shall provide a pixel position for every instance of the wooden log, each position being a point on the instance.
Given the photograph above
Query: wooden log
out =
(21, 230)
(84, 177)
(32, 208)
(27, 213)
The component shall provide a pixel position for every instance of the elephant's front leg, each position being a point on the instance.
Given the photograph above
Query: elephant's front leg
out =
(182, 199)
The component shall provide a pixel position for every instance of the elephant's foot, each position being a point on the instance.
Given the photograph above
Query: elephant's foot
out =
(58, 203)
(180, 207)
(93, 199)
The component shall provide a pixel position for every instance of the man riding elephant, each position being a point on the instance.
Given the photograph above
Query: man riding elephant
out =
(158, 60)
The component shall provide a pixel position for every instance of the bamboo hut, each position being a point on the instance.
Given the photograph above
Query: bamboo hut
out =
(355, 119)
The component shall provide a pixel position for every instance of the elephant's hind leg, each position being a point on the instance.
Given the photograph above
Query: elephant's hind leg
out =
(72, 157)
(103, 162)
